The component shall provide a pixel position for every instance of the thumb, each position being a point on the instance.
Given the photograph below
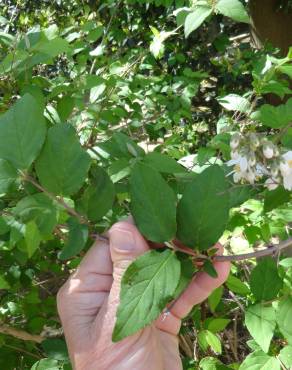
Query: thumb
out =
(126, 244)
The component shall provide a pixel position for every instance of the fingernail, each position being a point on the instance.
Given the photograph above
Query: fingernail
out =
(122, 240)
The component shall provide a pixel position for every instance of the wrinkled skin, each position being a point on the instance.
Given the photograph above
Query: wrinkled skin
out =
(88, 301)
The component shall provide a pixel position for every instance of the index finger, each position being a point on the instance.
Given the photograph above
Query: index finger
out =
(201, 286)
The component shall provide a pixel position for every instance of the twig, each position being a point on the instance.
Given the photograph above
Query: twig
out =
(61, 201)
(268, 251)
(233, 296)
(17, 349)
(235, 339)
(20, 334)
(105, 34)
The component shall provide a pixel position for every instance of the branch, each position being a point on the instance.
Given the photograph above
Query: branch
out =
(20, 334)
(70, 210)
(269, 250)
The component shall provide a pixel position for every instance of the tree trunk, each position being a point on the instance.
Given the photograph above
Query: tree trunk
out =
(269, 24)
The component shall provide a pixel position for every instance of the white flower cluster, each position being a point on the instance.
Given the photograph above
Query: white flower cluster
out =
(254, 157)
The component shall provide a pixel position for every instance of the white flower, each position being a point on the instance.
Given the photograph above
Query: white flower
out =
(287, 182)
(271, 183)
(286, 170)
(240, 161)
(268, 151)
(241, 169)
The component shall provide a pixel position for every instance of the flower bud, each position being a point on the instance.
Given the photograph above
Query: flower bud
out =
(234, 154)
(235, 140)
(254, 140)
(276, 152)
(268, 150)
(251, 159)
(274, 171)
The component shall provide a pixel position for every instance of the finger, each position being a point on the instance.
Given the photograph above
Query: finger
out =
(97, 260)
(199, 289)
(126, 244)
(94, 273)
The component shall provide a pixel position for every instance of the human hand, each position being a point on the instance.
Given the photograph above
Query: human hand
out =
(88, 301)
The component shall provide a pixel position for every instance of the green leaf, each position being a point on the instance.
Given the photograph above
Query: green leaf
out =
(3, 283)
(275, 198)
(56, 349)
(186, 276)
(265, 282)
(196, 18)
(216, 325)
(260, 321)
(22, 132)
(207, 339)
(78, 235)
(62, 165)
(211, 363)
(215, 298)
(210, 269)
(163, 163)
(4, 228)
(258, 360)
(285, 356)
(51, 48)
(126, 146)
(32, 238)
(287, 70)
(65, 107)
(40, 208)
(204, 154)
(283, 317)
(98, 198)
(119, 169)
(46, 364)
(153, 204)
(286, 262)
(8, 175)
(147, 285)
(235, 102)
(239, 195)
(275, 87)
(203, 210)
(157, 47)
(233, 9)
(275, 117)
(237, 286)
(287, 139)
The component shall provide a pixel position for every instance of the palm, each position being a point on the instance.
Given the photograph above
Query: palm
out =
(88, 302)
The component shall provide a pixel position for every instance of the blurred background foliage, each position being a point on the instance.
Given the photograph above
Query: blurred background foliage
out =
(89, 63)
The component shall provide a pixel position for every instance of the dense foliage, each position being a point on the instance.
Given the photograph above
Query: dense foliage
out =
(158, 108)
